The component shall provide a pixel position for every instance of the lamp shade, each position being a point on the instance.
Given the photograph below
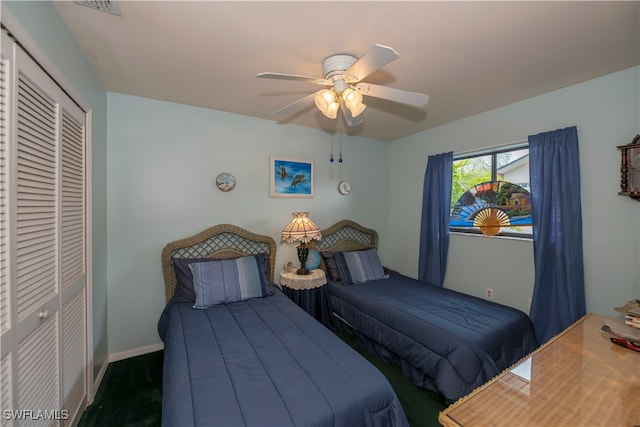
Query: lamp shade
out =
(353, 101)
(301, 229)
(327, 103)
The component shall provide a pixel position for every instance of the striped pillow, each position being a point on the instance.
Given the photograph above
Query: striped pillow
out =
(359, 266)
(230, 280)
(184, 291)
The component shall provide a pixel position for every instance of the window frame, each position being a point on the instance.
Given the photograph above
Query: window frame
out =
(493, 152)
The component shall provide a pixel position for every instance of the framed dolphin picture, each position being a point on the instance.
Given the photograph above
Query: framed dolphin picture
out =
(291, 177)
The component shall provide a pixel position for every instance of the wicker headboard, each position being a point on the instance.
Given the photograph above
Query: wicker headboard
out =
(347, 235)
(220, 241)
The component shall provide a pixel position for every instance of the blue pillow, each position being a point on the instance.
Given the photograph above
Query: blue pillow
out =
(357, 267)
(333, 274)
(184, 278)
(226, 281)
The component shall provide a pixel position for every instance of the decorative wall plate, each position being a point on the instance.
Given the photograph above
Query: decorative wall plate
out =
(344, 187)
(225, 181)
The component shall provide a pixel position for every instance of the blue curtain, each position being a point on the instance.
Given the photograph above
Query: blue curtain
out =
(558, 293)
(434, 227)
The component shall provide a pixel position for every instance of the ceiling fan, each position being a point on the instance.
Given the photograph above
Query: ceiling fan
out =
(343, 75)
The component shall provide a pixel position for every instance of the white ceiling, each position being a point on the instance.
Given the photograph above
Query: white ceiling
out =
(468, 57)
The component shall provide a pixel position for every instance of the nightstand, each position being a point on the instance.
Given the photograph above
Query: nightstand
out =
(309, 292)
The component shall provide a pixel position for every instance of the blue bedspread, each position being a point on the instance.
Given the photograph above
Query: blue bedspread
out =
(444, 340)
(266, 362)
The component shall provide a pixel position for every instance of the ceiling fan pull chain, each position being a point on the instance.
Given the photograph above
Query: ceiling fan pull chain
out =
(331, 158)
(340, 158)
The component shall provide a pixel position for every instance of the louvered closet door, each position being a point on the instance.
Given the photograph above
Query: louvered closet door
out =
(44, 284)
(72, 259)
(6, 372)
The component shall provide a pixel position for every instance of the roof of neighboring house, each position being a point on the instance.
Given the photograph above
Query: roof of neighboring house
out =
(524, 160)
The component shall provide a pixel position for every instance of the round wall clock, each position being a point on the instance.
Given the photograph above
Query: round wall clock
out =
(225, 181)
(344, 187)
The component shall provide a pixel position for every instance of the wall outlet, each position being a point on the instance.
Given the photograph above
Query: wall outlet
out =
(489, 293)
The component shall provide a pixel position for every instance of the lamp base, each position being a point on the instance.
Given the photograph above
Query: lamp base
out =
(303, 253)
(303, 271)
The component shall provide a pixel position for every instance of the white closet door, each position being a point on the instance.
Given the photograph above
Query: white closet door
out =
(4, 280)
(72, 260)
(6, 371)
(43, 244)
(33, 244)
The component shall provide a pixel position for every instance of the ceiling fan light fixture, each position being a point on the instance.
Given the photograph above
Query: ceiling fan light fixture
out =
(343, 77)
(332, 111)
(355, 112)
(327, 102)
(353, 101)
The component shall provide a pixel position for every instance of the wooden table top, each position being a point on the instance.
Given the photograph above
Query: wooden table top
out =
(579, 378)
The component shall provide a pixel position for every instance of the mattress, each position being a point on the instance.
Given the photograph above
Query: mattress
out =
(266, 362)
(444, 340)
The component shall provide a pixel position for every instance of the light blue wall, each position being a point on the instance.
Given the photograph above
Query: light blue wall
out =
(607, 113)
(45, 26)
(163, 159)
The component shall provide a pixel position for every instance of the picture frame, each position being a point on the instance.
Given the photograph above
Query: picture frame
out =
(291, 177)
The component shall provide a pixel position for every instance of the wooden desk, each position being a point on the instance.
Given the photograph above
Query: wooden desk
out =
(579, 378)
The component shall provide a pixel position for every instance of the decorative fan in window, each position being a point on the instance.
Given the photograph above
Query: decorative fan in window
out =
(491, 207)
(491, 220)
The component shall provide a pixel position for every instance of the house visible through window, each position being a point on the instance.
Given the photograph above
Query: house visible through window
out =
(490, 193)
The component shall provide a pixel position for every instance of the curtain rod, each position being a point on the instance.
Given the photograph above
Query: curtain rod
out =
(493, 147)
(487, 149)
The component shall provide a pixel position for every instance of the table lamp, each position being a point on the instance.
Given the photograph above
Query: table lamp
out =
(301, 229)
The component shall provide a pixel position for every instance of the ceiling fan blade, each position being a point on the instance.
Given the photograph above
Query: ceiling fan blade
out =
(280, 76)
(351, 121)
(297, 105)
(397, 95)
(376, 57)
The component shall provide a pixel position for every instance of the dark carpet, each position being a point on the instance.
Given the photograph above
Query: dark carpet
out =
(420, 406)
(130, 393)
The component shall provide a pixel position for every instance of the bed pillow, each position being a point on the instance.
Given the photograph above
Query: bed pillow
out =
(184, 277)
(357, 267)
(333, 274)
(229, 280)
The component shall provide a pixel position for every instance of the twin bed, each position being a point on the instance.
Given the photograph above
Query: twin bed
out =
(445, 341)
(250, 356)
(261, 361)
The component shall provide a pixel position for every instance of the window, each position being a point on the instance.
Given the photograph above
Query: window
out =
(490, 193)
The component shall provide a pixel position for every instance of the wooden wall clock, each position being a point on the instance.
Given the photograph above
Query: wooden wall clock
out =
(630, 169)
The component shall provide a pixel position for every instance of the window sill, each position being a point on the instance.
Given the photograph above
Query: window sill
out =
(522, 239)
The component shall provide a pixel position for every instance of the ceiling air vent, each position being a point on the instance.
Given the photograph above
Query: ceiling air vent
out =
(109, 6)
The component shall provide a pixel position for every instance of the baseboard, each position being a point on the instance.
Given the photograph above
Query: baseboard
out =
(98, 380)
(135, 352)
(121, 356)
